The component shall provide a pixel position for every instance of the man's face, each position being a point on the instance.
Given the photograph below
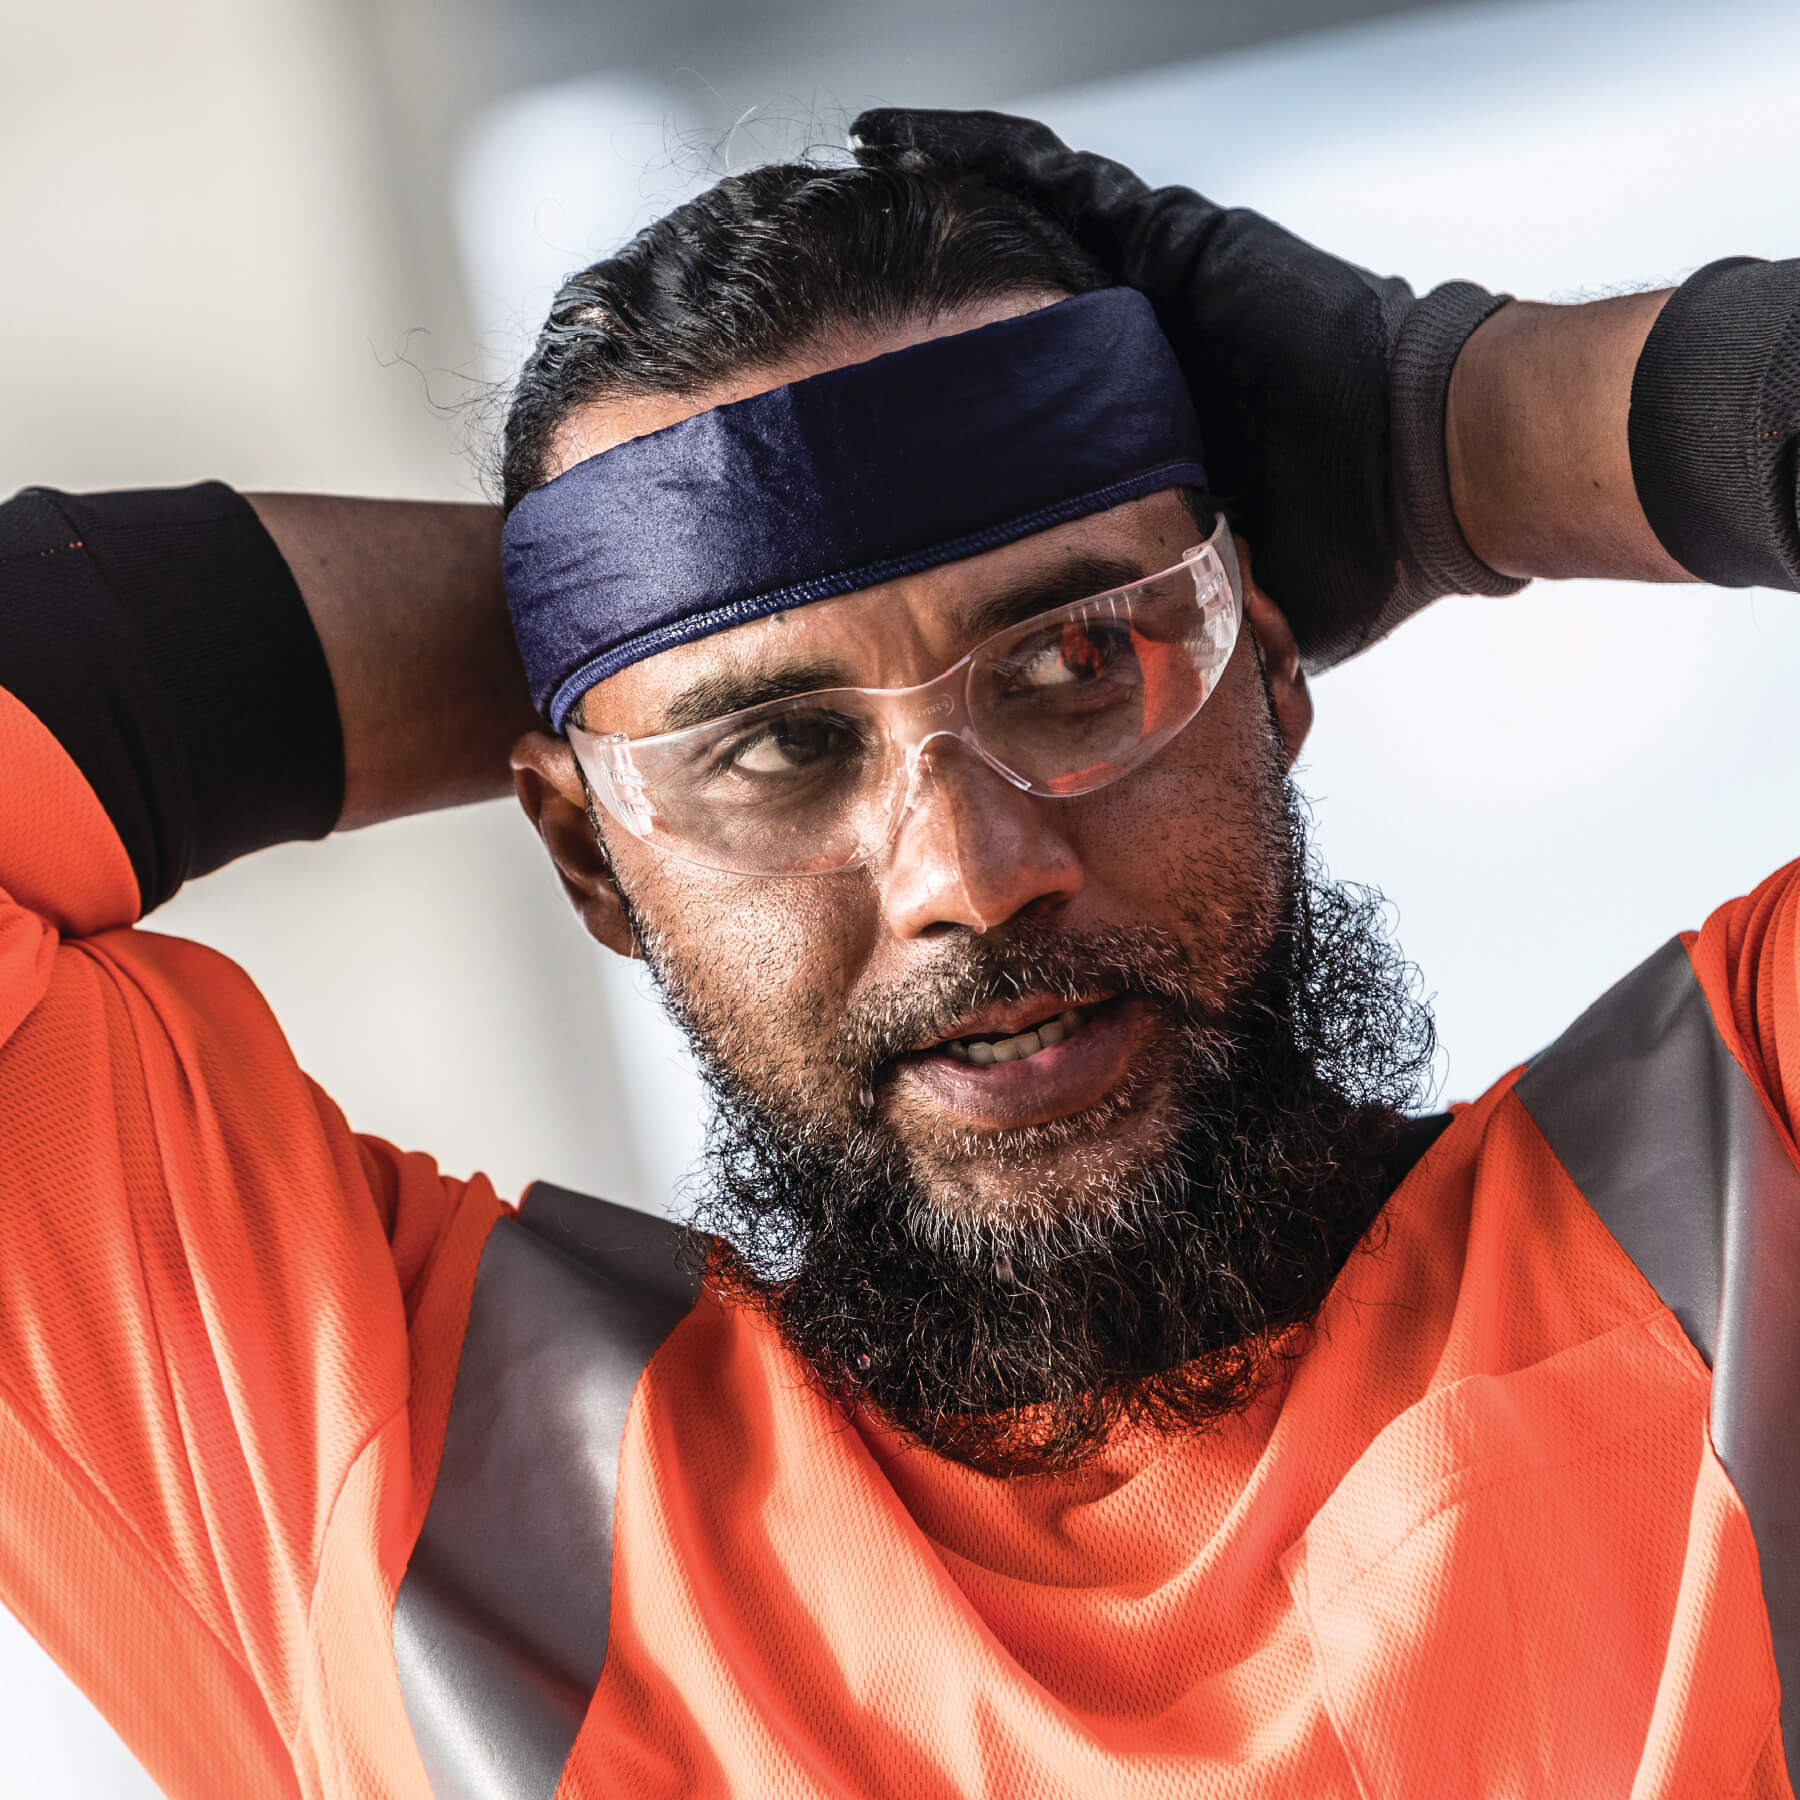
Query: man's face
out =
(823, 992)
(836, 1014)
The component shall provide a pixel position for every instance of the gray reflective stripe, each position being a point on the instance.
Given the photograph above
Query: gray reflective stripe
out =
(500, 1622)
(1672, 1146)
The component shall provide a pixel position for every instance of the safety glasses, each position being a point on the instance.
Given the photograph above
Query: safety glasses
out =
(1058, 705)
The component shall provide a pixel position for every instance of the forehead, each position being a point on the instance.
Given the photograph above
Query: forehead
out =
(899, 633)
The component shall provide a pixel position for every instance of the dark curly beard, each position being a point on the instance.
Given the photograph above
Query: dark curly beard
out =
(1163, 1290)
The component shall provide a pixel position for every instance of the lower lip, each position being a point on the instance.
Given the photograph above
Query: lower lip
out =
(1067, 1078)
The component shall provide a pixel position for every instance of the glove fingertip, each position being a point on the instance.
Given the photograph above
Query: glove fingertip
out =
(875, 129)
(901, 129)
(996, 142)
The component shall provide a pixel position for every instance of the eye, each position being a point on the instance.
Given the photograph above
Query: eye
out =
(1074, 653)
(792, 744)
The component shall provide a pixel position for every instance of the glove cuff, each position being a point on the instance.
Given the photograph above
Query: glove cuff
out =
(1714, 423)
(1435, 555)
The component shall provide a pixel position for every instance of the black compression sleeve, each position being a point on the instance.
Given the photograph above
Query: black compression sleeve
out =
(161, 637)
(1715, 424)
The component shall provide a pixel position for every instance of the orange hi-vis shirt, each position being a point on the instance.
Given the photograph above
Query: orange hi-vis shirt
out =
(1478, 1542)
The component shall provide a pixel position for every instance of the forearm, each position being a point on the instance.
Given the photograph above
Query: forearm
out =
(406, 599)
(1536, 433)
(1652, 437)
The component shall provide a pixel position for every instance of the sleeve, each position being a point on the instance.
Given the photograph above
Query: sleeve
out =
(211, 1290)
(1715, 424)
(160, 638)
(1747, 957)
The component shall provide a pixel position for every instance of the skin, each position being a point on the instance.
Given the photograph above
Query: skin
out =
(1537, 441)
(798, 956)
(405, 596)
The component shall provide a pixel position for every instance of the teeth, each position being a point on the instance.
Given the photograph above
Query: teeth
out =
(984, 1051)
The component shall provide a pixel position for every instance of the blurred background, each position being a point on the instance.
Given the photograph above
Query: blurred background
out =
(302, 243)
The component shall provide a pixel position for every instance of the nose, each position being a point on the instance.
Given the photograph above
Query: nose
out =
(973, 851)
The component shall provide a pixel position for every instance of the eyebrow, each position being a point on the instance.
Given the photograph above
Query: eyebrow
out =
(1078, 578)
(713, 696)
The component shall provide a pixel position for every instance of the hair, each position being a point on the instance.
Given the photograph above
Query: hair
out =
(767, 262)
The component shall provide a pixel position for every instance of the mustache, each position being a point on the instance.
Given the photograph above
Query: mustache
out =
(1027, 960)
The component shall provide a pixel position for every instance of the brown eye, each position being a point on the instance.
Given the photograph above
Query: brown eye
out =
(1082, 655)
(797, 743)
(1072, 654)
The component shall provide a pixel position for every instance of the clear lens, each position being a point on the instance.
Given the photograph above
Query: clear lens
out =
(797, 786)
(1071, 702)
(1062, 704)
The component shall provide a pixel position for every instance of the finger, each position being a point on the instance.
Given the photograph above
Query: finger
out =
(1023, 155)
(953, 136)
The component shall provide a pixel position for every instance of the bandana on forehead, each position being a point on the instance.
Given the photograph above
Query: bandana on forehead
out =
(846, 479)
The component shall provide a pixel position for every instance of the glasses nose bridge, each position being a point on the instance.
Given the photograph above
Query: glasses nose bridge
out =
(936, 708)
(953, 722)
(915, 718)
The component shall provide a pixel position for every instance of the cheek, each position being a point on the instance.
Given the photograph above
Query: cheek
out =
(1197, 839)
(758, 966)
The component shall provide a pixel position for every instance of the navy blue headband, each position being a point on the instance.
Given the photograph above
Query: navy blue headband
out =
(841, 481)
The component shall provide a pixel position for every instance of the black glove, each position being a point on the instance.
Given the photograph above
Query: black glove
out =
(1320, 387)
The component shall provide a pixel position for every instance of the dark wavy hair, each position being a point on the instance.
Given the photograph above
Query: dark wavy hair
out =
(768, 261)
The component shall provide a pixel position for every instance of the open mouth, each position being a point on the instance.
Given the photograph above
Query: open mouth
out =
(1024, 1062)
(984, 1048)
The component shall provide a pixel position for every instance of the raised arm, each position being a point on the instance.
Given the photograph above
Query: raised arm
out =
(1651, 437)
(1538, 445)
(405, 597)
(228, 675)
(208, 1283)
(1380, 449)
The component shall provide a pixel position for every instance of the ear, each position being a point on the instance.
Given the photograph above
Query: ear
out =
(1281, 660)
(548, 783)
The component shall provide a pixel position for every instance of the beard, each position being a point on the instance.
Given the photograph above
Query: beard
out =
(1188, 1228)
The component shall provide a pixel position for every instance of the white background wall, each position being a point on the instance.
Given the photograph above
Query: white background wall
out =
(209, 272)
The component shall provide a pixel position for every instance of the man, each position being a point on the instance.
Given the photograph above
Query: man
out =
(1093, 1383)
